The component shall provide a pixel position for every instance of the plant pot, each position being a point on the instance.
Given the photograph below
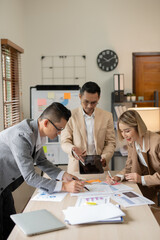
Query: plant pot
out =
(133, 98)
(128, 98)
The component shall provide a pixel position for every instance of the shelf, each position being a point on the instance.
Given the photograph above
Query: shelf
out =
(144, 101)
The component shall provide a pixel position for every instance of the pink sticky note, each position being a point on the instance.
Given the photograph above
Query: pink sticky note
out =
(41, 102)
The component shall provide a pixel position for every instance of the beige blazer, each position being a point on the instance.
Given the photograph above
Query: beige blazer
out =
(74, 135)
(152, 157)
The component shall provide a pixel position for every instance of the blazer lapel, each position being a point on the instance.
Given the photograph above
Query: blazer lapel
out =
(81, 124)
(135, 161)
(97, 126)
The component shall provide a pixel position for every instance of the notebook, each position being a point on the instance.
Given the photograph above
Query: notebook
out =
(37, 222)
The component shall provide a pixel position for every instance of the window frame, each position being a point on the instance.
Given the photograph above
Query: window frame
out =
(11, 83)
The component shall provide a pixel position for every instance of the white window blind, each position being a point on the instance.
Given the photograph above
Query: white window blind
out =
(12, 87)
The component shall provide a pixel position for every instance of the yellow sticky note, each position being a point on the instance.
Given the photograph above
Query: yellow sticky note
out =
(67, 95)
(45, 149)
(50, 94)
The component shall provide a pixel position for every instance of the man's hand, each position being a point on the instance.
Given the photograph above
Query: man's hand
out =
(133, 177)
(103, 162)
(73, 186)
(112, 180)
(68, 177)
(78, 153)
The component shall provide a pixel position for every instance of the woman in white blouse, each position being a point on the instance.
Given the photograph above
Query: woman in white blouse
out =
(143, 162)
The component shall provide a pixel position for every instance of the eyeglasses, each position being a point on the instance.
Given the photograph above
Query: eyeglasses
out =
(86, 103)
(58, 129)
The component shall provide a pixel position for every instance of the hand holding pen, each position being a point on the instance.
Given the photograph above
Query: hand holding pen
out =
(84, 186)
(78, 154)
(110, 179)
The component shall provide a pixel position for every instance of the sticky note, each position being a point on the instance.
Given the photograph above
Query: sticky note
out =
(93, 180)
(41, 101)
(67, 95)
(45, 149)
(50, 94)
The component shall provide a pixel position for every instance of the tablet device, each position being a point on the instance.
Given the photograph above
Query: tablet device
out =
(91, 165)
(37, 222)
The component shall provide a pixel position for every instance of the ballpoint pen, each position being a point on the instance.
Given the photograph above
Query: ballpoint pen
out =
(84, 186)
(110, 176)
(78, 157)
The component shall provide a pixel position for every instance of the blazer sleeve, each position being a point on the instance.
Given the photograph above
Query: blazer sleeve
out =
(21, 149)
(109, 143)
(128, 165)
(154, 179)
(67, 138)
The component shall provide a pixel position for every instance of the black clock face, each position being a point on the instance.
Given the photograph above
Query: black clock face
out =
(107, 60)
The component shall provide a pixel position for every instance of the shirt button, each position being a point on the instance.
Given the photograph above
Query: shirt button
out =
(13, 179)
(1, 188)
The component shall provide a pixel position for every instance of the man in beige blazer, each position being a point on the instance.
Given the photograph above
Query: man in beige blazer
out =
(90, 130)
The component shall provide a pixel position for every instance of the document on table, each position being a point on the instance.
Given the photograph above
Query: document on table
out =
(130, 199)
(98, 199)
(55, 197)
(103, 189)
(91, 214)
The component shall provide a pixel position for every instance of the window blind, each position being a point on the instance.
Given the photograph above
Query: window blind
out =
(12, 85)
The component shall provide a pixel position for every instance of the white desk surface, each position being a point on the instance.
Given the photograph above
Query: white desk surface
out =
(139, 223)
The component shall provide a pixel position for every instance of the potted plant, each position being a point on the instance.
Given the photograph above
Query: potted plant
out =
(128, 97)
(133, 97)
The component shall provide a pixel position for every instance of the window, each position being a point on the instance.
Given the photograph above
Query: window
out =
(11, 77)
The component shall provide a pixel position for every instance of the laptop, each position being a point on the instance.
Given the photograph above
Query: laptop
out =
(37, 222)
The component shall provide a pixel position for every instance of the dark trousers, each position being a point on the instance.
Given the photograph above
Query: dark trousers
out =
(6, 209)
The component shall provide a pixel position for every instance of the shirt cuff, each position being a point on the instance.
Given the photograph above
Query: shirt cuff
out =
(58, 187)
(60, 175)
(121, 176)
(143, 181)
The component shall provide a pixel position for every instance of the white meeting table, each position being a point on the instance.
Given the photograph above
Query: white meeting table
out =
(139, 222)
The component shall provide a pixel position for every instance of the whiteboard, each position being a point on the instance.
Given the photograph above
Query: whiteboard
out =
(41, 96)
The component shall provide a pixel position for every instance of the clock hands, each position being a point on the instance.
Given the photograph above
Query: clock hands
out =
(109, 59)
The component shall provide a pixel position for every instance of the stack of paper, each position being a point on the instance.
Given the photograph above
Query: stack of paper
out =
(92, 214)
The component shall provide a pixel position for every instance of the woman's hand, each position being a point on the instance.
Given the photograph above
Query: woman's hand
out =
(133, 177)
(112, 180)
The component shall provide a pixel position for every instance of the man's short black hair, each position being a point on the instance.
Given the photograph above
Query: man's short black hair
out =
(55, 112)
(90, 87)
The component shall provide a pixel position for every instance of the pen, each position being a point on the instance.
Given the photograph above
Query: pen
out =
(110, 175)
(78, 157)
(84, 186)
(75, 154)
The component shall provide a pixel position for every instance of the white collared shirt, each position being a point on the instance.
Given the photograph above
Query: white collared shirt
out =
(141, 158)
(89, 122)
(41, 141)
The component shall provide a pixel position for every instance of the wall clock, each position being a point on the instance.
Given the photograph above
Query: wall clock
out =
(107, 60)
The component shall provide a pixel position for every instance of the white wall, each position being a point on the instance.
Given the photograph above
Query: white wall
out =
(73, 27)
(12, 28)
(55, 27)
